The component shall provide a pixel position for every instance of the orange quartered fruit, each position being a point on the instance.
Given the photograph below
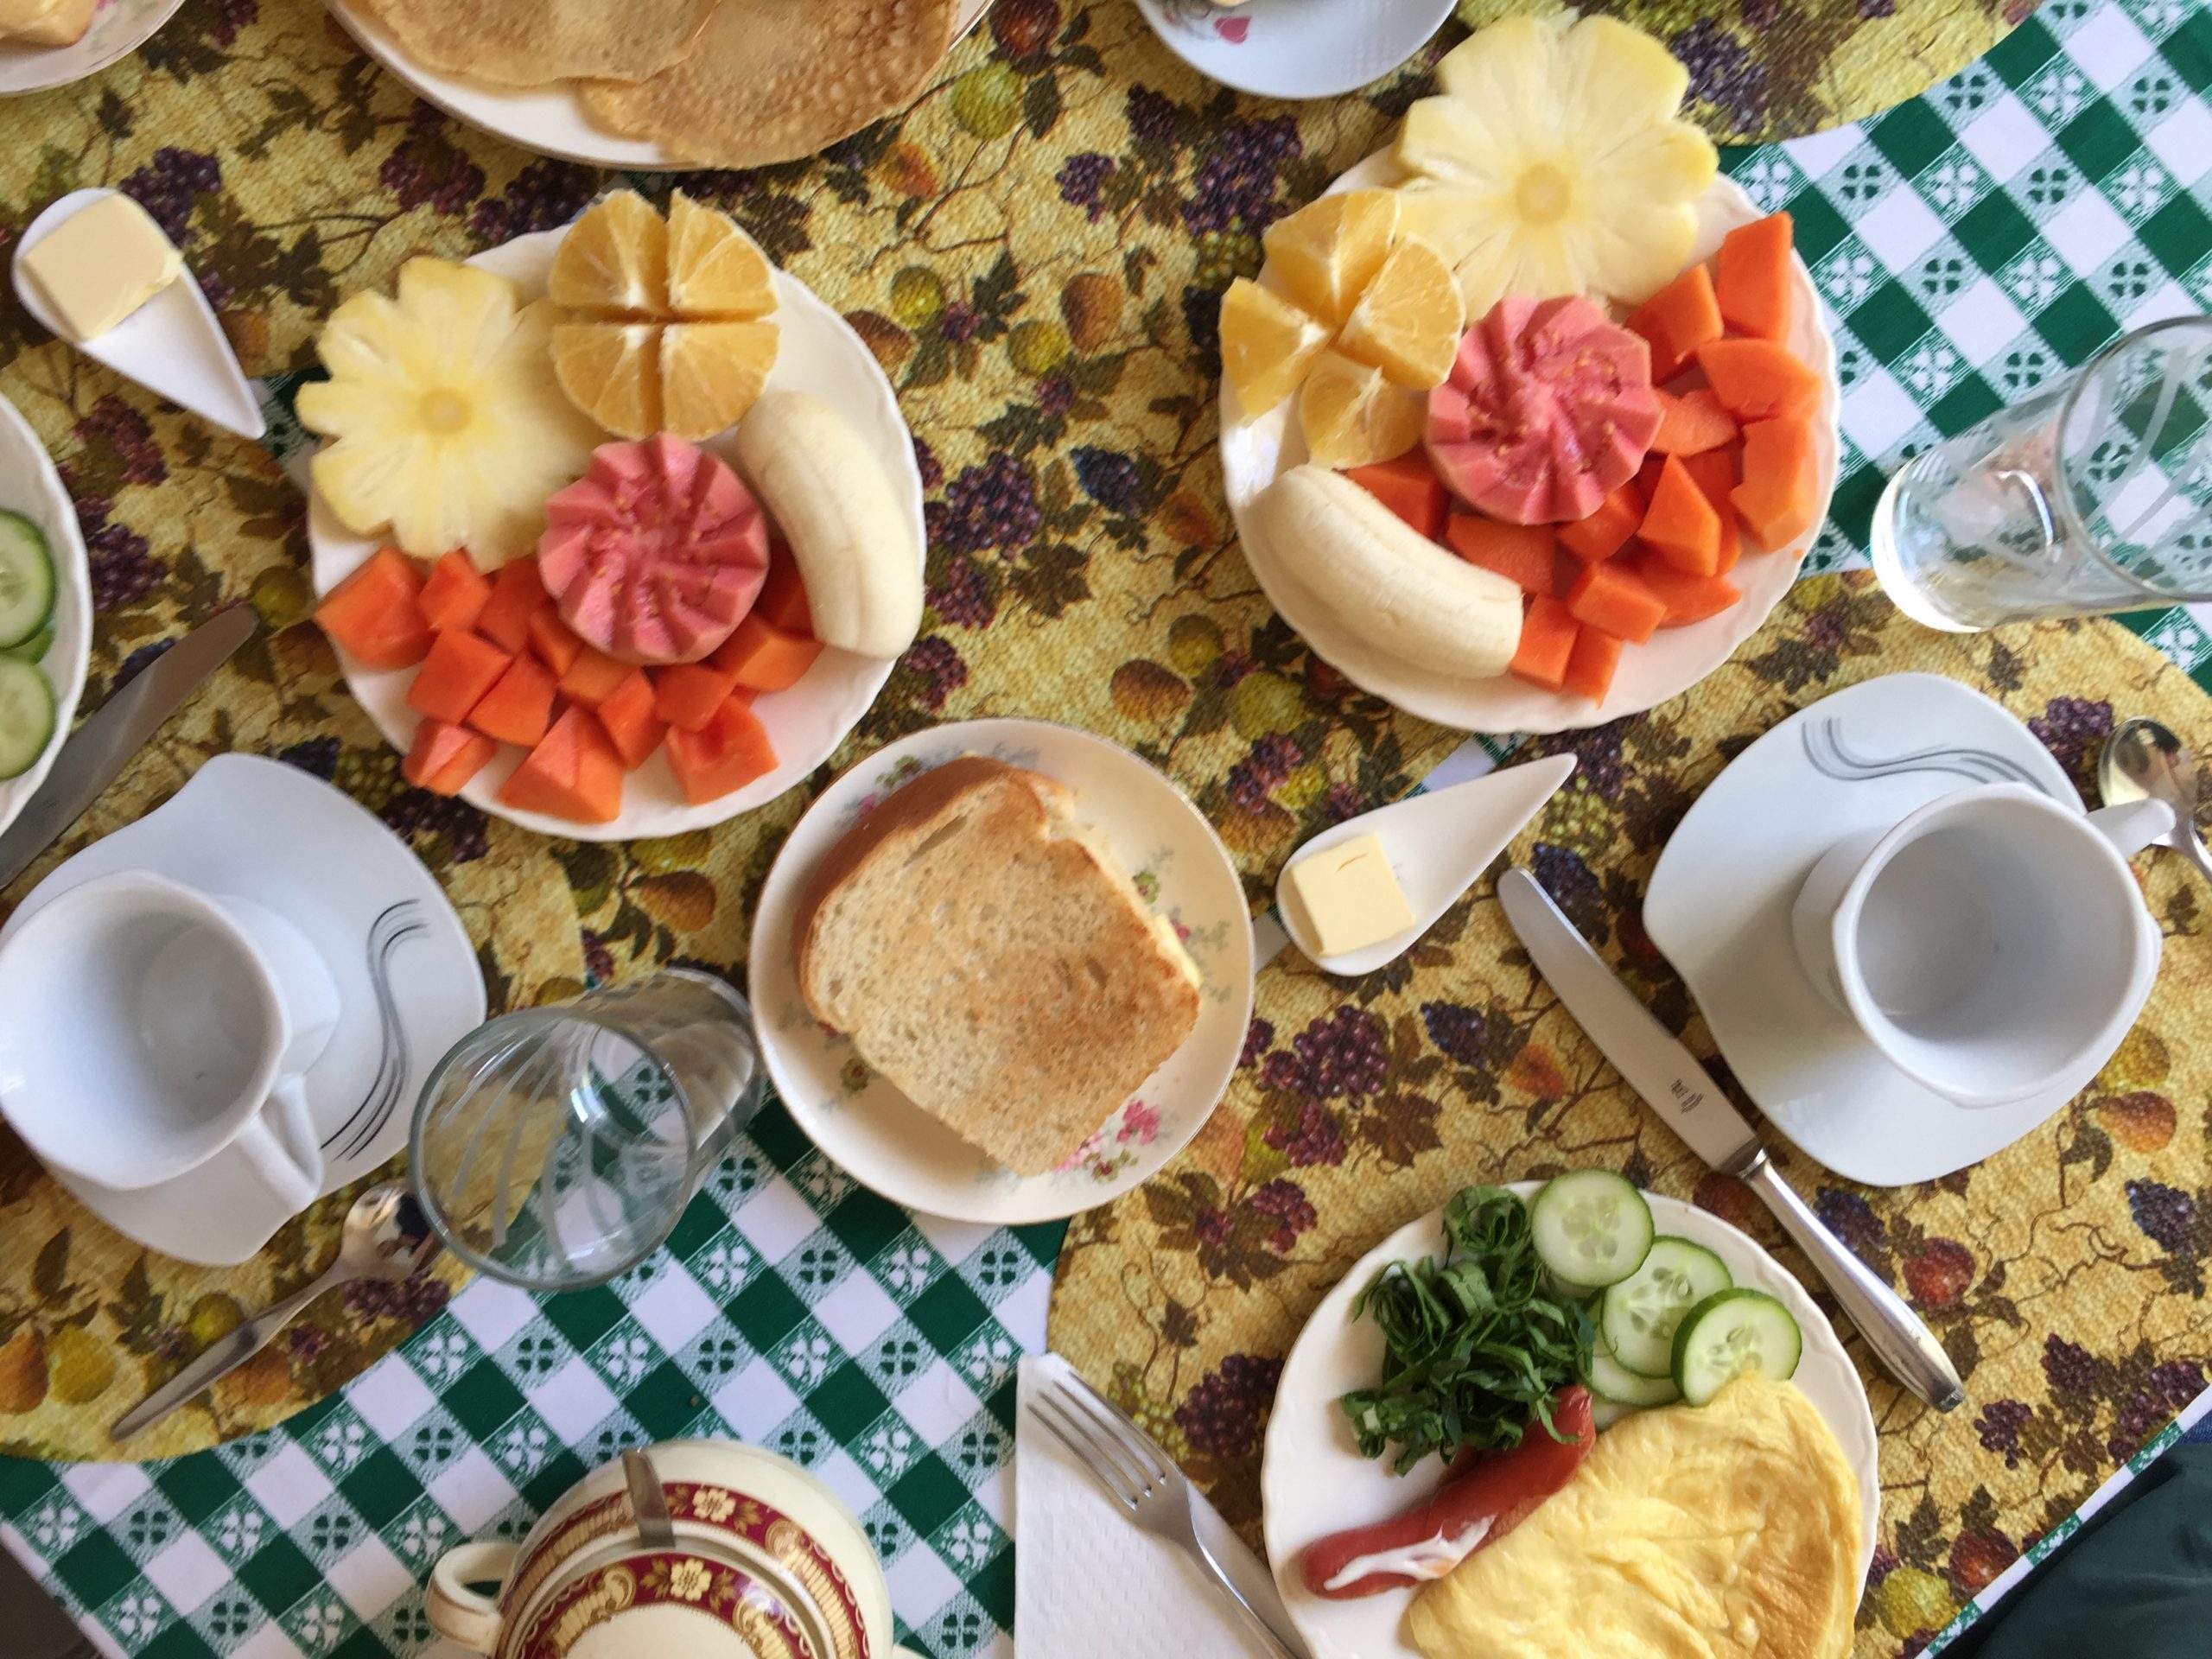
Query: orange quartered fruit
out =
(1687, 598)
(1612, 599)
(460, 669)
(1753, 281)
(1778, 496)
(764, 657)
(626, 715)
(520, 706)
(1525, 555)
(1676, 320)
(1408, 485)
(1590, 666)
(454, 594)
(1691, 422)
(782, 598)
(592, 676)
(1606, 531)
(553, 642)
(729, 752)
(687, 695)
(574, 772)
(373, 616)
(1547, 641)
(1759, 380)
(518, 593)
(445, 757)
(1681, 525)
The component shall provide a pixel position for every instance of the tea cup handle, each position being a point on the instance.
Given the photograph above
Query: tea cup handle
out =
(2133, 825)
(288, 1161)
(459, 1613)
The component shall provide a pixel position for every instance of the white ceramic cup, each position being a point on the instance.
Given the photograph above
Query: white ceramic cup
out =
(1989, 943)
(145, 1026)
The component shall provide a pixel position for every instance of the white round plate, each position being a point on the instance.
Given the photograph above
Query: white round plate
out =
(1314, 1481)
(1717, 907)
(887, 1142)
(818, 353)
(119, 27)
(30, 485)
(550, 120)
(1673, 660)
(263, 830)
(1295, 49)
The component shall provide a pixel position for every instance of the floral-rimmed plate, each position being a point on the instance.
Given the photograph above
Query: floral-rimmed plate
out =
(818, 351)
(28, 485)
(1314, 1481)
(1295, 49)
(118, 28)
(1253, 455)
(889, 1144)
(550, 120)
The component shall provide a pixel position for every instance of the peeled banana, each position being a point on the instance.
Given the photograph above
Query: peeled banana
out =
(1383, 581)
(834, 504)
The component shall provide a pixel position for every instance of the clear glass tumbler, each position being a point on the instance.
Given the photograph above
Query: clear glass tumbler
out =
(2092, 496)
(556, 1148)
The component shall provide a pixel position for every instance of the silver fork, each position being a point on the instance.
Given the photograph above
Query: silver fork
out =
(1136, 1474)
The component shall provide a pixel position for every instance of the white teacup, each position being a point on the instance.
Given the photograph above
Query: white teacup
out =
(145, 1026)
(1989, 943)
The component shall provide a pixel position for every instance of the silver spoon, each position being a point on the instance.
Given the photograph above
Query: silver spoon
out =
(386, 1238)
(648, 1501)
(2144, 761)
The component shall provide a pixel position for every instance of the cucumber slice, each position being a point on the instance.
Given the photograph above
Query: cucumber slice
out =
(1609, 1380)
(1640, 1313)
(1591, 1227)
(26, 579)
(1604, 1414)
(1731, 1332)
(35, 648)
(27, 716)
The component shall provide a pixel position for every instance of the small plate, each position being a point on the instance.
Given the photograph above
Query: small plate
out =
(269, 832)
(1295, 49)
(1313, 1482)
(550, 120)
(119, 27)
(30, 484)
(1673, 661)
(888, 1143)
(1717, 907)
(817, 352)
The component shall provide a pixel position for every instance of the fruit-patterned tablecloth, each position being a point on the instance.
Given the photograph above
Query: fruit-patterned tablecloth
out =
(1034, 254)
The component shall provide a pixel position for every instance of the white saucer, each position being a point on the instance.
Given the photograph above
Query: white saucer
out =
(1717, 907)
(1295, 49)
(269, 832)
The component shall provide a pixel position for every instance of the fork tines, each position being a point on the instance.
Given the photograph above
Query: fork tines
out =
(1112, 1450)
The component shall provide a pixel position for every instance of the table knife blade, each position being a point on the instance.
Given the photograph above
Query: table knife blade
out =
(1675, 1085)
(118, 730)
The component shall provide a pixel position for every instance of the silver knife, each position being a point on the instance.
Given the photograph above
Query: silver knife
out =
(36, 1626)
(1675, 1086)
(123, 726)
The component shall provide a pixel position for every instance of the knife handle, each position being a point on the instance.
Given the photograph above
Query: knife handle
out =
(1900, 1339)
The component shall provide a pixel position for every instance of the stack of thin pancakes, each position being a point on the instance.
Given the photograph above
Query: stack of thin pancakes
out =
(722, 83)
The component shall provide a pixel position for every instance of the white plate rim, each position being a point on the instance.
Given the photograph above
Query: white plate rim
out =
(1005, 1200)
(545, 120)
(47, 66)
(1250, 460)
(1873, 1130)
(1298, 1462)
(1233, 66)
(846, 683)
(69, 659)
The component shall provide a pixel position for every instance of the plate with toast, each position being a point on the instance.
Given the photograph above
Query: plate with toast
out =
(1002, 971)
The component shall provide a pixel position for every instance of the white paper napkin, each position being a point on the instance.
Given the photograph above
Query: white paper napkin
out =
(1088, 1585)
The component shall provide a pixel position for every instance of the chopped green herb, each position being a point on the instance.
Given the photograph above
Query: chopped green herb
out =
(1476, 1341)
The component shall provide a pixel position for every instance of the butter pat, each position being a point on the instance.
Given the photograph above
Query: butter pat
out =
(1351, 896)
(100, 265)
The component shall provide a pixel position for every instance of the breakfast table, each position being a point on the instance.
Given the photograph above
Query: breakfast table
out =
(1035, 254)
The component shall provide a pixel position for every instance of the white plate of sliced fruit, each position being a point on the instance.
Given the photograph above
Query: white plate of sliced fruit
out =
(1528, 421)
(618, 529)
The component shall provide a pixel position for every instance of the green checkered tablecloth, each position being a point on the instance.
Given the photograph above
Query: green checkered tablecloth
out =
(1969, 245)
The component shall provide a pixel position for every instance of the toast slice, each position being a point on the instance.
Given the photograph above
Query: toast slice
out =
(989, 956)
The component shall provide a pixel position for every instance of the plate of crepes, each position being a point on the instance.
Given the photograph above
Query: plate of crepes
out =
(46, 43)
(46, 613)
(1470, 1453)
(1001, 971)
(676, 84)
(618, 528)
(1528, 421)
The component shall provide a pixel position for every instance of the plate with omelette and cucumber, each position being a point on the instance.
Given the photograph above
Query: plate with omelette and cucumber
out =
(46, 613)
(1529, 420)
(1555, 1416)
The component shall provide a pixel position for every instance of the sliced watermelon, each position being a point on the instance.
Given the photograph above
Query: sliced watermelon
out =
(1548, 409)
(657, 554)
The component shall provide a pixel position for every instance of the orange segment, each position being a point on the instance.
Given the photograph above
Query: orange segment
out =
(1327, 253)
(611, 372)
(710, 373)
(715, 269)
(1353, 417)
(1408, 322)
(614, 259)
(1266, 345)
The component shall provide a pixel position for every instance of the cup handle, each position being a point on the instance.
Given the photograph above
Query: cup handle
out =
(456, 1611)
(290, 1163)
(2133, 825)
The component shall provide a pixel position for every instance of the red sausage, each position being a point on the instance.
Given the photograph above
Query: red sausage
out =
(1501, 1489)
